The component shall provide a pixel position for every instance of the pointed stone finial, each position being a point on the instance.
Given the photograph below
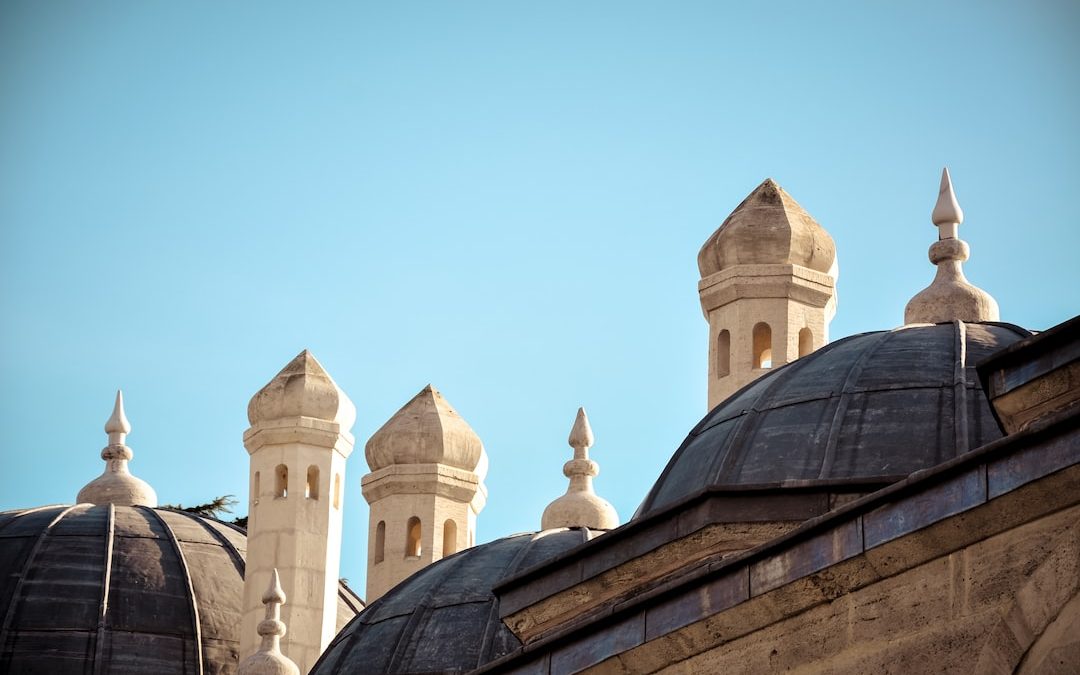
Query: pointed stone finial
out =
(947, 210)
(116, 485)
(268, 659)
(580, 506)
(118, 427)
(950, 297)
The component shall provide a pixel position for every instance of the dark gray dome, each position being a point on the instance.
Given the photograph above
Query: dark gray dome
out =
(872, 407)
(124, 589)
(444, 618)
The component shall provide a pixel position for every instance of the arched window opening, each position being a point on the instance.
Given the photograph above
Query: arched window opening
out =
(723, 354)
(337, 491)
(762, 346)
(281, 489)
(412, 538)
(311, 487)
(380, 542)
(255, 488)
(806, 341)
(449, 538)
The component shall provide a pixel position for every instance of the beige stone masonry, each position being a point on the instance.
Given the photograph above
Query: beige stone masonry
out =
(425, 489)
(298, 443)
(767, 289)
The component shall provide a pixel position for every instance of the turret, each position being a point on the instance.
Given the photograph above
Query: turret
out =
(298, 442)
(425, 489)
(767, 289)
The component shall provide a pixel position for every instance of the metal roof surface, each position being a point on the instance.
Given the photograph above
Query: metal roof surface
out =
(121, 589)
(444, 618)
(871, 406)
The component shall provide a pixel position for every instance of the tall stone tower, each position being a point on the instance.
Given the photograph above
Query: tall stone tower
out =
(767, 289)
(298, 442)
(425, 489)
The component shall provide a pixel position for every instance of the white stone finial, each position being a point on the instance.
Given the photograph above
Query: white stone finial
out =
(118, 427)
(268, 659)
(116, 485)
(580, 506)
(950, 296)
(947, 210)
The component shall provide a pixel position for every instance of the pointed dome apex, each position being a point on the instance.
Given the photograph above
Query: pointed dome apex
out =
(427, 430)
(768, 228)
(116, 485)
(303, 388)
(580, 506)
(950, 296)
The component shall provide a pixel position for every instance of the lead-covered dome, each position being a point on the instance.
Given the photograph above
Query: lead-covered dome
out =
(444, 618)
(768, 228)
(132, 589)
(872, 407)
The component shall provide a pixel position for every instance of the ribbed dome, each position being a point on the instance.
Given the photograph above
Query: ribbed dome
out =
(768, 228)
(444, 618)
(122, 589)
(427, 430)
(875, 406)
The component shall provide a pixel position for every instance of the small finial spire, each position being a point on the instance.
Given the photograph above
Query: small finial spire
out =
(581, 436)
(268, 659)
(116, 485)
(947, 210)
(580, 506)
(950, 297)
(118, 426)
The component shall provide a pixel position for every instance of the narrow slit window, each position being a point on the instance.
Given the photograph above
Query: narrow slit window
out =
(412, 538)
(311, 487)
(762, 346)
(337, 491)
(255, 488)
(806, 341)
(281, 489)
(449, 538)
(380, 541)
(723, 354)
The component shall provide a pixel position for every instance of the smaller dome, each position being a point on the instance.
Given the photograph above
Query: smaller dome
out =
(427, 430)
(303, 388)
(444, 618)
(768, 228)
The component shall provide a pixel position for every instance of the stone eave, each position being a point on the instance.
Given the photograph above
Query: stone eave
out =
(1037, 469)
(710, 524)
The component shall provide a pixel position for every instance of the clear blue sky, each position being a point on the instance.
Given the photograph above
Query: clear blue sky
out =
(504, 199)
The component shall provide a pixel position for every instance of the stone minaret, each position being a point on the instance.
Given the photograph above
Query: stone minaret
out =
(950, 297)
(268, 659)
(580, 506)
(298, 442)
(117, 485)
(425, 489)
(767, 289)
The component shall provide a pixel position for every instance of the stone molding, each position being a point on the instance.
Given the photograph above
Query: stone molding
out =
(305, 430)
